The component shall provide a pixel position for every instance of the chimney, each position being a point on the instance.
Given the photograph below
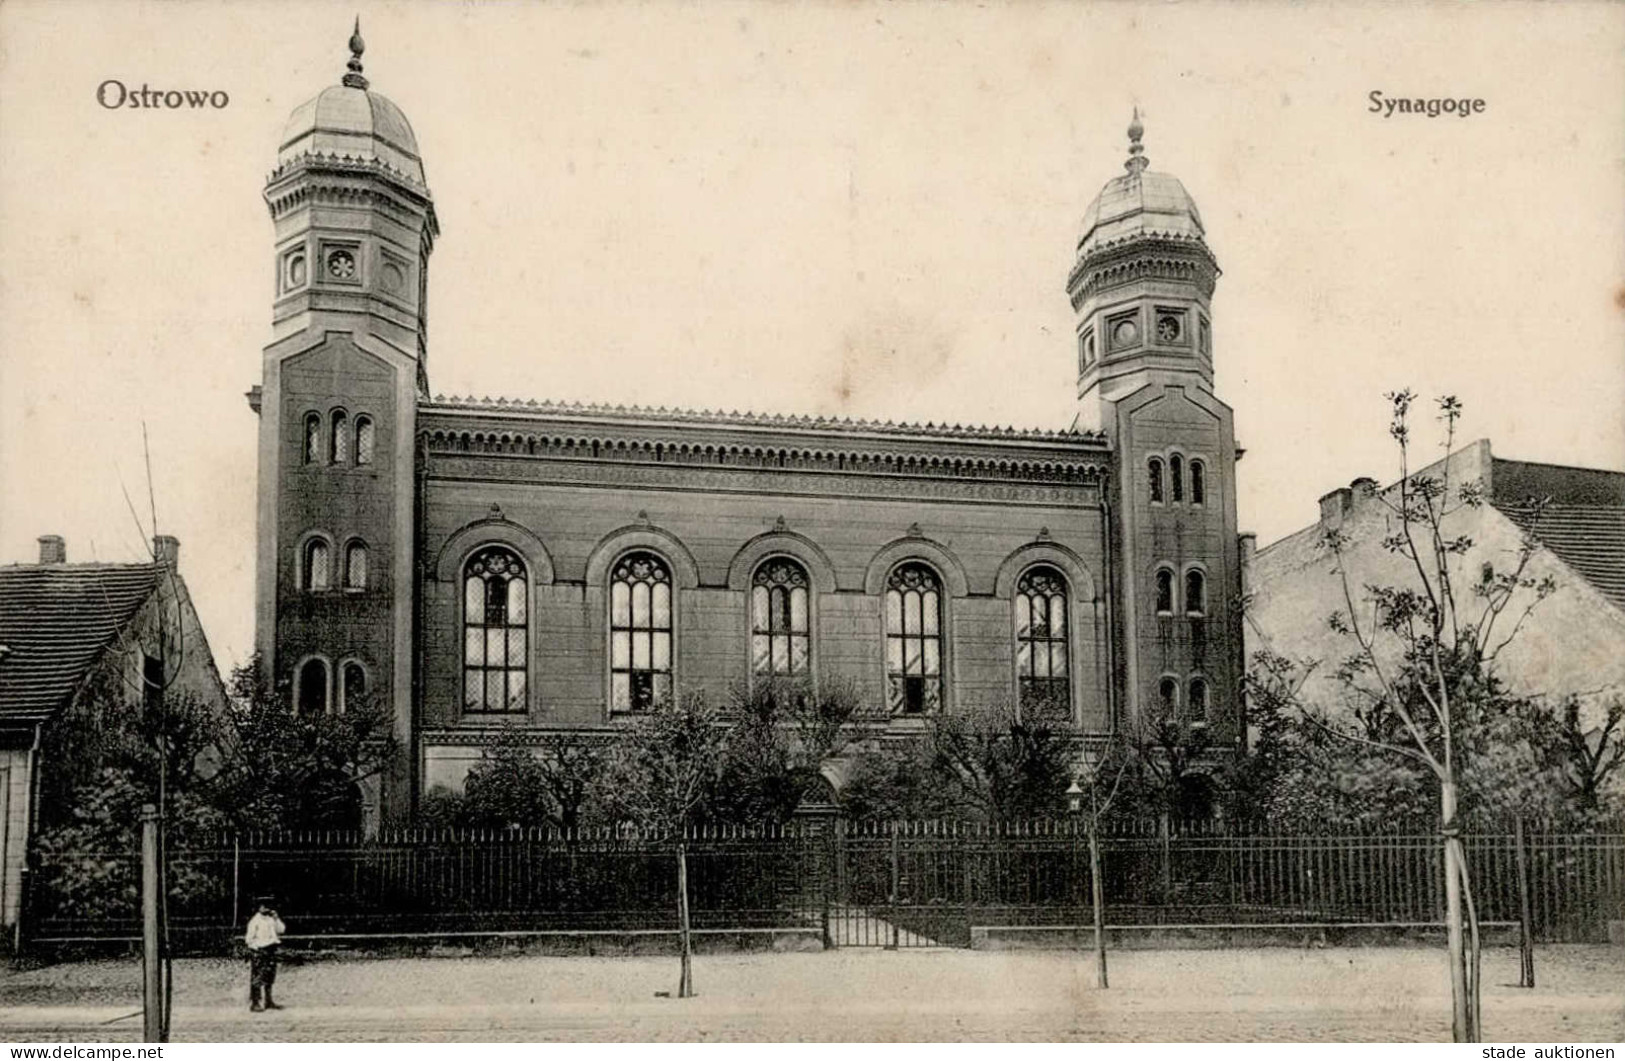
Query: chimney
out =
(166, 550)
(1334, 506)
(52, 549)
(1248, 542)
(1364, 489)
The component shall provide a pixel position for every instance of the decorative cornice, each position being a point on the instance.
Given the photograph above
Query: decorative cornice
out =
(1051, 485)
(819, 424)
(309, 163)
(1146, 255)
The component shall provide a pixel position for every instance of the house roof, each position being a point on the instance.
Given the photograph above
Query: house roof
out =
(55, 622)
(1583, 520)
(1588, 538)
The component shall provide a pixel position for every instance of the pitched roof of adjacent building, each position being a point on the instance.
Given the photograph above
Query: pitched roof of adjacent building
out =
(56, 620)
(1583, 521)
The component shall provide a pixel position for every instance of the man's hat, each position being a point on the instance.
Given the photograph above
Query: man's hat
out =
(264, 900)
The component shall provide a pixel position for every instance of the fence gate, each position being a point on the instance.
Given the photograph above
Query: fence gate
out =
(896, 885)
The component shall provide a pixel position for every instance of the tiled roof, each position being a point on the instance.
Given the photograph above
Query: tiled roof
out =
(779, 420)
(1588, 538)
(55, 620)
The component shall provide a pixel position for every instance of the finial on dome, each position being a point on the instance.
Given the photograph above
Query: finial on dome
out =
(353, 79)
(1136, 151)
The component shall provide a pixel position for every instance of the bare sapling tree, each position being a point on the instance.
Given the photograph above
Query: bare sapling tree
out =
(1424, 649)
(659, 775)
(1098, 763)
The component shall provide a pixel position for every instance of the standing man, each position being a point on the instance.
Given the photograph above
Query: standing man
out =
(264, 938)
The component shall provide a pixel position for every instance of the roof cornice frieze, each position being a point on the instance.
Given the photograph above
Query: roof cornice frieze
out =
(836, 430)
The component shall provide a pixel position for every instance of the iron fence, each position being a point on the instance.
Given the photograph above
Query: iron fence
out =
(852, 883)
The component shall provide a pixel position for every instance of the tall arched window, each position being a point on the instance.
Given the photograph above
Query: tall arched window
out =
(1197, 703)
(352, 685)
(1156, 479)
(355, 566)
(1176, 477)
(312, 688)
(341, 437)
(1041, 643)
(1165, 591)
(639, 633)
(363, 440)
(1168, 695)
(780, 639)
(1195, 593)
(1198, 483)
(313, 438)
(914, 640)
(318, 565)
(495, 645)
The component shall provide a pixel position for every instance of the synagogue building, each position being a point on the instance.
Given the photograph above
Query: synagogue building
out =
(479, 564)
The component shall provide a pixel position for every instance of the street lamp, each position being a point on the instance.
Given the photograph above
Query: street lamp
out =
(1074, 798)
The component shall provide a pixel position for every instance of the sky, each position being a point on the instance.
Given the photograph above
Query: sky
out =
(834, 208)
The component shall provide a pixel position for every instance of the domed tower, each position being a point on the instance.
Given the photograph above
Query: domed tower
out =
(354, 227)
(1142, 289)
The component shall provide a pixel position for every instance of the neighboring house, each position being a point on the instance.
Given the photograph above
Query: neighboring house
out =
(1572, 644)
(474, 564)
(69, 632)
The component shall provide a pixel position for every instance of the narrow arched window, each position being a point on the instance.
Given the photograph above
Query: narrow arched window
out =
(780, 635)
(363, 440)
(639, 633)
(312, 688)
(1155, 468)
(313, 438)
(352, 686)
(495, 642)
(1197, 701)
(355, 566)
(318, 565)
(1165, 592)
(913, 640)
(340, 438)
(1168, 695)
(1042, 663)
(1176, 477)
(1198, 483)
(1195, 593)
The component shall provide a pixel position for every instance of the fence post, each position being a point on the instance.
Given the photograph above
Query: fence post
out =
(152, 984)
(1526, 930)
(891, 899)
(1167, 858)
(236, 879)
(827, 881)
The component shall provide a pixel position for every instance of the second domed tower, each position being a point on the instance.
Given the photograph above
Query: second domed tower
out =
(1141, 286)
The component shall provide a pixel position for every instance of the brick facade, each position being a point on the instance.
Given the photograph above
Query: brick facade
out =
(567, 493)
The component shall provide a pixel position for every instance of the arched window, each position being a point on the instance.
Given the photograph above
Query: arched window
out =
(913, 640)
(1156, 480)
(639, 633)
(779, 640)
(363, 440)
(1168, 695)
(1165, 591)
(1041, 643)
(318, 565)
(355, 566)
(495, 645)
(1197, 701)
(353, 685)
(1198, 483)
(341, 438)
(312, 688)
(1195, 593)
(1176, 477)
(313, 438)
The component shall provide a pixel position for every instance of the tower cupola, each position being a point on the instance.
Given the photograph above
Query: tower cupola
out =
(355, 220)
(1141, 284)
